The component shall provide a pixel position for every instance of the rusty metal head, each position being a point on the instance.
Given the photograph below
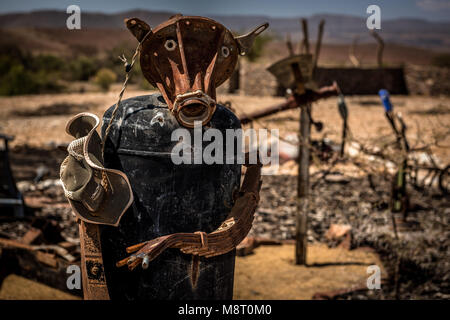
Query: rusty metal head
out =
(186, 58)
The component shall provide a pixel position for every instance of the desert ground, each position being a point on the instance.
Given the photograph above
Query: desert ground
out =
(37, 122)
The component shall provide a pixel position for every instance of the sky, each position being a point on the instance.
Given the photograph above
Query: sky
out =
(424, 9)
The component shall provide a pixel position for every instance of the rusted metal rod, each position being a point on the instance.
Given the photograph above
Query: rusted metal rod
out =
(288, 104)
(291, 103)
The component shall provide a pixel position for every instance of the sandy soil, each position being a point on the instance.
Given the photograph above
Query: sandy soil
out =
(18, 288)
(255, 275)
(39, 120)
(270, 273)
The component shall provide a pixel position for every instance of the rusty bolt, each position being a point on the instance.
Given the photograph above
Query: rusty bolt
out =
(95, 270)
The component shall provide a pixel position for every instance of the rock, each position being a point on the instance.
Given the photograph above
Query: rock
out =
(25, 186)
(340, 234)
(337, 178)
(247, 245)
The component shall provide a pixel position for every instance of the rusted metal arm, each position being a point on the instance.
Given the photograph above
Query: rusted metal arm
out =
(224, 239)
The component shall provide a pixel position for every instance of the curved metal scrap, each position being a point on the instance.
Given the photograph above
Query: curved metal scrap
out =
(245, 41)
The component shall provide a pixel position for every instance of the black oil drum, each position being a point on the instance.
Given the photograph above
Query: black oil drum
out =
(168, 198)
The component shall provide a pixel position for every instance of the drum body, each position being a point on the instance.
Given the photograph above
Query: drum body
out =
(168, 198)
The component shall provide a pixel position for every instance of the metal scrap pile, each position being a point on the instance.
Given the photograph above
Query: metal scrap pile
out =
(45, 242)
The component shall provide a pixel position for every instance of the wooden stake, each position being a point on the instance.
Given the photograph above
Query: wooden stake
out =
(344, 138)
(303, 171)
(343, 111)
(303, 188)
(305, 35)
(380, 48)
(289, 45)
(318, 43)
(351, 54)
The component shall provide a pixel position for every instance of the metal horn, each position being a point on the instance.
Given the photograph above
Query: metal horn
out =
(137, 27)
(245, 41)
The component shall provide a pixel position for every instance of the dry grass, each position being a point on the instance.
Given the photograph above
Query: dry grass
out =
(269, 273)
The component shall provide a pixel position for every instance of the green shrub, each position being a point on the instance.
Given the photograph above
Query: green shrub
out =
(23, 73)
(104, 78)
(258, 47)
(47, 62)
(144, 84)
(18, 81)
(112, 61)
(82, 49)
(82, 68)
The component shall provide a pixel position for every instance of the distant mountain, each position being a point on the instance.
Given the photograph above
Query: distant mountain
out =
(338, 28)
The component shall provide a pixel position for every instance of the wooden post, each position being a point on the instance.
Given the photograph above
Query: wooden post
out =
(343, 111)
(380, 48)
(289, 45)
(318, 44)
(352, 55)
(344, 115)
(303, 171)
(305, 35)
(301, 239)
(303, 188)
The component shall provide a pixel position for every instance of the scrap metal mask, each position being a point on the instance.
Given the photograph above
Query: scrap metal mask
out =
(186, 58)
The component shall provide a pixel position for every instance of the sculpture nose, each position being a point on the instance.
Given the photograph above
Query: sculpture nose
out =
(194, 106)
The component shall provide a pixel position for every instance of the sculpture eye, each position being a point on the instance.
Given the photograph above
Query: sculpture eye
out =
(225, 51)
(170, 45)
